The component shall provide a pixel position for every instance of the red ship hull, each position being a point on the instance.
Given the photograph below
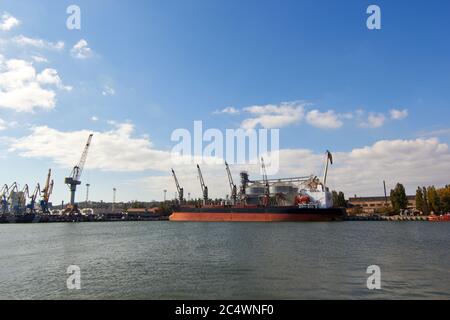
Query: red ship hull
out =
(256, 214)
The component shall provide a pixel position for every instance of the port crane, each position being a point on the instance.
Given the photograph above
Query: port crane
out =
(203, 185)
(265, 180)
(328, 162)
(46, 192)
(13, 189)
(233, 187)
(33, 197)
(180, 190)
(4, 199)
(75, 176)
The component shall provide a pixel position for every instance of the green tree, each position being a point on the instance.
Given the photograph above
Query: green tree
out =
(419, 199)
(342, 203)
(426, 207)
(335, 198)
(339, 199)
(444, 198)
(433, 200)
(398, 198)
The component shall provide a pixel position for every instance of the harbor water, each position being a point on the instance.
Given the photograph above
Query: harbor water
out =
(166, 260)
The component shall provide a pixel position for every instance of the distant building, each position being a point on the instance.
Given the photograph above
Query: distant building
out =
(371, 205)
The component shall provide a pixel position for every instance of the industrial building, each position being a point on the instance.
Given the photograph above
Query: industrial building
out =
(371, 205)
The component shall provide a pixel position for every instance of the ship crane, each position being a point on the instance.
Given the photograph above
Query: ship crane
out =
(46, 192)
(264, 174)
(328, 162)
(13, 189)
(232, 185)
(75, 176)
(203, 185)
(4, 200)
(33, 197)
(180, 190)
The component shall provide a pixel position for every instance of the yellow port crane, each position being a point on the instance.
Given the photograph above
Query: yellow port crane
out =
(75, 176)
(46, 193)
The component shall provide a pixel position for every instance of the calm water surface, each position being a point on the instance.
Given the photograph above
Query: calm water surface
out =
(164, 260)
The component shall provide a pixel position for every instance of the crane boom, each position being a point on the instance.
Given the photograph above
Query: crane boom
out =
(264, 174)
(78, 169)
(48, 186)
(232, 185)
(203, 185)
(4, 201)
(75, 176)
(180, 190)
(329, 160)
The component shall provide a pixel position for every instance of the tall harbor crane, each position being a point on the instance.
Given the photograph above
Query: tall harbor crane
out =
(75, 176)
(328, 161)
(180, 190)
(33, 197)
(4, 199)
(232, 185)
(265, 180)
(12, 192)
(203, 185)
(46, 192)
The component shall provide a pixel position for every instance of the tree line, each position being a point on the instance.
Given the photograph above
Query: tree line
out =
(428, 199)
(431, 200)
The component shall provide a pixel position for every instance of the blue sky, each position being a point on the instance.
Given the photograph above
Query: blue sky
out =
(160, 65)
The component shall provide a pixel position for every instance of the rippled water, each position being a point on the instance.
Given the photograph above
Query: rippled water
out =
(166, 260)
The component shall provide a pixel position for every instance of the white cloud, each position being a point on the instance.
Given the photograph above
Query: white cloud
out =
(108, 91)
(435, 133)
(3, 124)
(113, 150)
(94, 118)
(50, 76)
(398, 114)
(39, 59)
(81, 50)
(38, 43)
(411, 162)
(23, 89)
(7, 22)
(324, 120)
(374, 120)
(227, 110)
(274, 116)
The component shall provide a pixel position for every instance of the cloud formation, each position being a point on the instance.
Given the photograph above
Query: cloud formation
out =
(274, 116)
(398, 114)
(38, 43)
(108, 91)
(324, 120)
(81, 50)
(23, 89)
(7, 22)
(113, 150)
(227, 110)
(374, 120)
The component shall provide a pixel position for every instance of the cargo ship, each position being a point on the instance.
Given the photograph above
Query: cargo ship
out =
(267, 200)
